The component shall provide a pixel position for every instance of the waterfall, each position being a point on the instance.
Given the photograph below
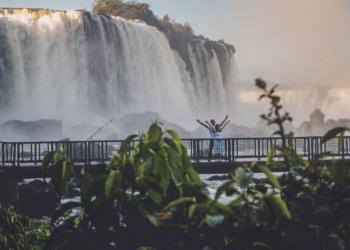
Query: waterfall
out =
(82, 67)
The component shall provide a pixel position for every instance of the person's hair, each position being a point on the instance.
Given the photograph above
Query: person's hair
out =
(217, 127)
(212, 120)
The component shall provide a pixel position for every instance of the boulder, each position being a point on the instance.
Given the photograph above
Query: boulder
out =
(37, 199)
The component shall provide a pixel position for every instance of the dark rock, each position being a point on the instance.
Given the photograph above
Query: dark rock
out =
(38, 199)
(218, 178)
(41, 130)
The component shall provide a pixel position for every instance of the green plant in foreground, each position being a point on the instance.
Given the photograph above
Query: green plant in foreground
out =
(18, 232)
(149, 197)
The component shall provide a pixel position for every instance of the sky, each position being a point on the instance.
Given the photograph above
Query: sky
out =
(281, 41)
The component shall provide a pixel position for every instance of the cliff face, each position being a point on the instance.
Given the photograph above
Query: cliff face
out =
(75, 66)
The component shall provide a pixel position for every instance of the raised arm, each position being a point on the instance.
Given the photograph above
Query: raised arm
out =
(203, 124)
(213, 128)
(222, 128)
(223, 121)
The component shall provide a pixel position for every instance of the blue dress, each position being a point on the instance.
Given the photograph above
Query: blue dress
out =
(219, 147)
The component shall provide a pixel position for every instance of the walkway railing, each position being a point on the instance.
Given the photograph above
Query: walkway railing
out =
(87, 152)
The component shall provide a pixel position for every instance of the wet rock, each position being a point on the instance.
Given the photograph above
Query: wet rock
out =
(218, 178)
(37, 199)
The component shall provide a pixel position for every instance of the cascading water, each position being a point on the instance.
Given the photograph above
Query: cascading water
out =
(82, 67)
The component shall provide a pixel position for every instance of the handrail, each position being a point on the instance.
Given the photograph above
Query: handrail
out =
(85, 152)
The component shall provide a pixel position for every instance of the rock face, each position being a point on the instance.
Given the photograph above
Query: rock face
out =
(317, 126)
(41, 130)
(83, 132)
(37, 199)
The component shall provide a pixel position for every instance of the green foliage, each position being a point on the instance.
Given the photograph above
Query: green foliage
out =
(18, 232)
(128, 10)
(149, 197)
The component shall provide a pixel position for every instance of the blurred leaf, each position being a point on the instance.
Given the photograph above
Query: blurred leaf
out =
(278, 203)
(320, 209)
(243, 178)
(270, 177)
(276, 164)
(161, 169)
(46, 163)
(215, 220)
(299, 170)
(333, 133)
(339, 172)
(63, 209)
(179, 201)
(173, 134)
(260, 83)
(124, 147)
(154, 132)
(191, 211)
(60, 173)
(261, 245)
(194, 177)
(224, 187)
(86, 180)
(175, 165)
(270, 154)
(262, 96)
(112, 183)
(157, 197)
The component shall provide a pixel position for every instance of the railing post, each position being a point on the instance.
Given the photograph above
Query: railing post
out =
(343, 148)
(197, 150)
(258, 149)
(18, 155)
(2, 153)
(229, 149)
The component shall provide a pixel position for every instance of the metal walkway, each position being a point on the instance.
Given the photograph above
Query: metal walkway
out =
(236, 149)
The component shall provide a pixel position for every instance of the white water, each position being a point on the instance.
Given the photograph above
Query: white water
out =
(334, 102)
(84, 68)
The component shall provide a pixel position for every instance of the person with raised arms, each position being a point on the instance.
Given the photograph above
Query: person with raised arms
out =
(211, 128)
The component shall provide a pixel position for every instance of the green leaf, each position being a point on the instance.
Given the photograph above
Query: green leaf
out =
(175, 165)
(261, 245)
(112, 183)
(260, 83)
(194, 177)
(243, 178)
(86, 180)
(333, 133)
(179, 201)
(60, 173)
(321, 209)
(299, 170)
(339, 172)
(271, 154)
(215, 220)
(154, 132)
(270, 177)
(124, 147)
(173, 134)
(191, 210)
(46, 163)
(157, 197)
(62, 209)
(223, 188)
(161, 169)
(278, 204)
